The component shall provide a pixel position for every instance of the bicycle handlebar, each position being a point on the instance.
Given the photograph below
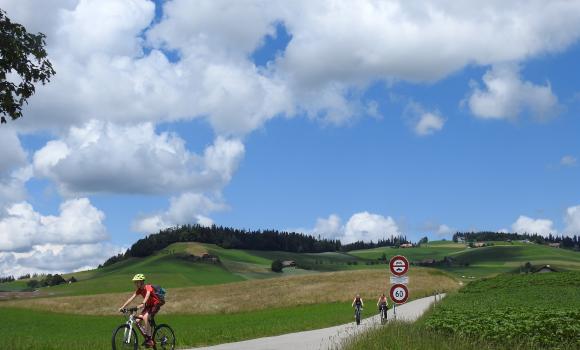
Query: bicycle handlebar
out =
(126, 310)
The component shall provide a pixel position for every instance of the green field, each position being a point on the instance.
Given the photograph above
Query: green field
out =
(24, 329)
(510, 311)
(169, 269)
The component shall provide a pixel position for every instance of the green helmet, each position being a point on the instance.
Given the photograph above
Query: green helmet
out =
(139, 277)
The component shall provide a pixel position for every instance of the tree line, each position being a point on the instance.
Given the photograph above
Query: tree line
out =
(568, 242)
(228, 238)
(388, 242)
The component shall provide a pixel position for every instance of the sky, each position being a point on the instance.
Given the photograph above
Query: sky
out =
(345, 120)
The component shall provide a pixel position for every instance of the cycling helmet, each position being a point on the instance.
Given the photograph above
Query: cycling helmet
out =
(139, 277)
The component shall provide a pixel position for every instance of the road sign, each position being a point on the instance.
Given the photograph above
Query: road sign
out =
(399, 293)
(400, 280)
(399, 265)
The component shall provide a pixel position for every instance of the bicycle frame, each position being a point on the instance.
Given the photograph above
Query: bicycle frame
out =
(133, 320)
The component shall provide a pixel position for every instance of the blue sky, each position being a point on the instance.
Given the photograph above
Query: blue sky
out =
(272, 118)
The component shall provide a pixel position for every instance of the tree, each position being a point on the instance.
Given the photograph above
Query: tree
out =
(277, 266)
(424, 240)
(22, 53)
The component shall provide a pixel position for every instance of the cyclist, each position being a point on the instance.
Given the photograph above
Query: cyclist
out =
(383, 302)
(151, 305)
(358, 302)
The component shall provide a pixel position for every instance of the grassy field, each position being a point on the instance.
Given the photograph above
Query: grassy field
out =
(255, 295)
(509, 311)
(406, 336)
(434, 250)
(169, 269)
(23, 329)
(210, 314)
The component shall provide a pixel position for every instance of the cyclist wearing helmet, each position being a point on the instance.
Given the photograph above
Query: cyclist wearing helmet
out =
(151, 305)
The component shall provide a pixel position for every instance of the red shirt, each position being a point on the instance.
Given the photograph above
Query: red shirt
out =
(153, 299)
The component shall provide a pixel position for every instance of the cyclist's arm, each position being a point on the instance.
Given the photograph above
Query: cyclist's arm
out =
(146, 298)
(129, 300)
(353, 301)
(362, 303)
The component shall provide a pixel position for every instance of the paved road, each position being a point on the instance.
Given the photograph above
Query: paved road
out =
(327, 338)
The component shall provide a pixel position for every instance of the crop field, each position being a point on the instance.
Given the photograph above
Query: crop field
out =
(543, 309)
(254, 295)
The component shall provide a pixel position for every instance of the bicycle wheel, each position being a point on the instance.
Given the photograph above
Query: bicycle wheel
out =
(125, 339)
(164, 337)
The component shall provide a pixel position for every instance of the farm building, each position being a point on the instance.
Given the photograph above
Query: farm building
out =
(288, 263)
(554, 245)
(406, 245)
(545, 269)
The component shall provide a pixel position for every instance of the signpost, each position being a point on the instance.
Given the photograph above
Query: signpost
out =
(399, 293)
(399, 265)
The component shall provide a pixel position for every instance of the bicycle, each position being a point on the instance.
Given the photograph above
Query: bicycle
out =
(383, 311)
(357, 313)
(125, 336)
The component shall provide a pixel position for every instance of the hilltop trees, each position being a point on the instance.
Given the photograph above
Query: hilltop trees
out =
(569, 242)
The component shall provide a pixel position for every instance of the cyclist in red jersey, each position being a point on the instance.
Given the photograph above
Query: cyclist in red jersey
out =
(151, 305)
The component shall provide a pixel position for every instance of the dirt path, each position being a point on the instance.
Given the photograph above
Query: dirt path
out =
(326, 338)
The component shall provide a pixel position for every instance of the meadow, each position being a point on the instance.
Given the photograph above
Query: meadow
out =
(510, 311)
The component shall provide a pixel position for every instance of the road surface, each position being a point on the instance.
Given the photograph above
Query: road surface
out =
(327, 338)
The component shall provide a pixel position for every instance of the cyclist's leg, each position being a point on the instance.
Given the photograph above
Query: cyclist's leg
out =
(146, 316)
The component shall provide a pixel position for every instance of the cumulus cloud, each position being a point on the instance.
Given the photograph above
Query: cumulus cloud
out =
(363, 226)
(122, 77)
(50, 258)
(423, 122)
(572, 220)
(568, 161)
(507, 96)
(79, 222)
(529, 225)
(186, 208)
(104, 157)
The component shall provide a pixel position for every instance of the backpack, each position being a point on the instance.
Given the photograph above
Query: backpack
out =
(160, 292)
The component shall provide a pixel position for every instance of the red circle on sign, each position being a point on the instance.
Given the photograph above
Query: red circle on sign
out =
(399, 265)
(399, 293)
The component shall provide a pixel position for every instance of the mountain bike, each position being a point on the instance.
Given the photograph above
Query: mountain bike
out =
(357, 312)
(125, 336)
(383, 313)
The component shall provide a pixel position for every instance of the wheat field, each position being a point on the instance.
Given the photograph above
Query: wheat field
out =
(255, 294)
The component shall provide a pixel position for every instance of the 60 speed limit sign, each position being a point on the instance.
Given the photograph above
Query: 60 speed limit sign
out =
(399, 293)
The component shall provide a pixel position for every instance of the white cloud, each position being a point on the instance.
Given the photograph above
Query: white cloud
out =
(50, 258)
(507, 96)
(363, 226)
(421, 121)
(330, 228)
(14, 168)
(572, 220)
(428, 124)
(529, 225)
(568, 160)
(104, 157)
(444, 230)
(336, 50)
(79, 222)
(369, 227)
(184, 209)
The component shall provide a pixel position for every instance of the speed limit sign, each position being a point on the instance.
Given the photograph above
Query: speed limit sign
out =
(399, 293)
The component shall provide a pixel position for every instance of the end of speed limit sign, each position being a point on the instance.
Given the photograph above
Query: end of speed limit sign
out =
(399, 293)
